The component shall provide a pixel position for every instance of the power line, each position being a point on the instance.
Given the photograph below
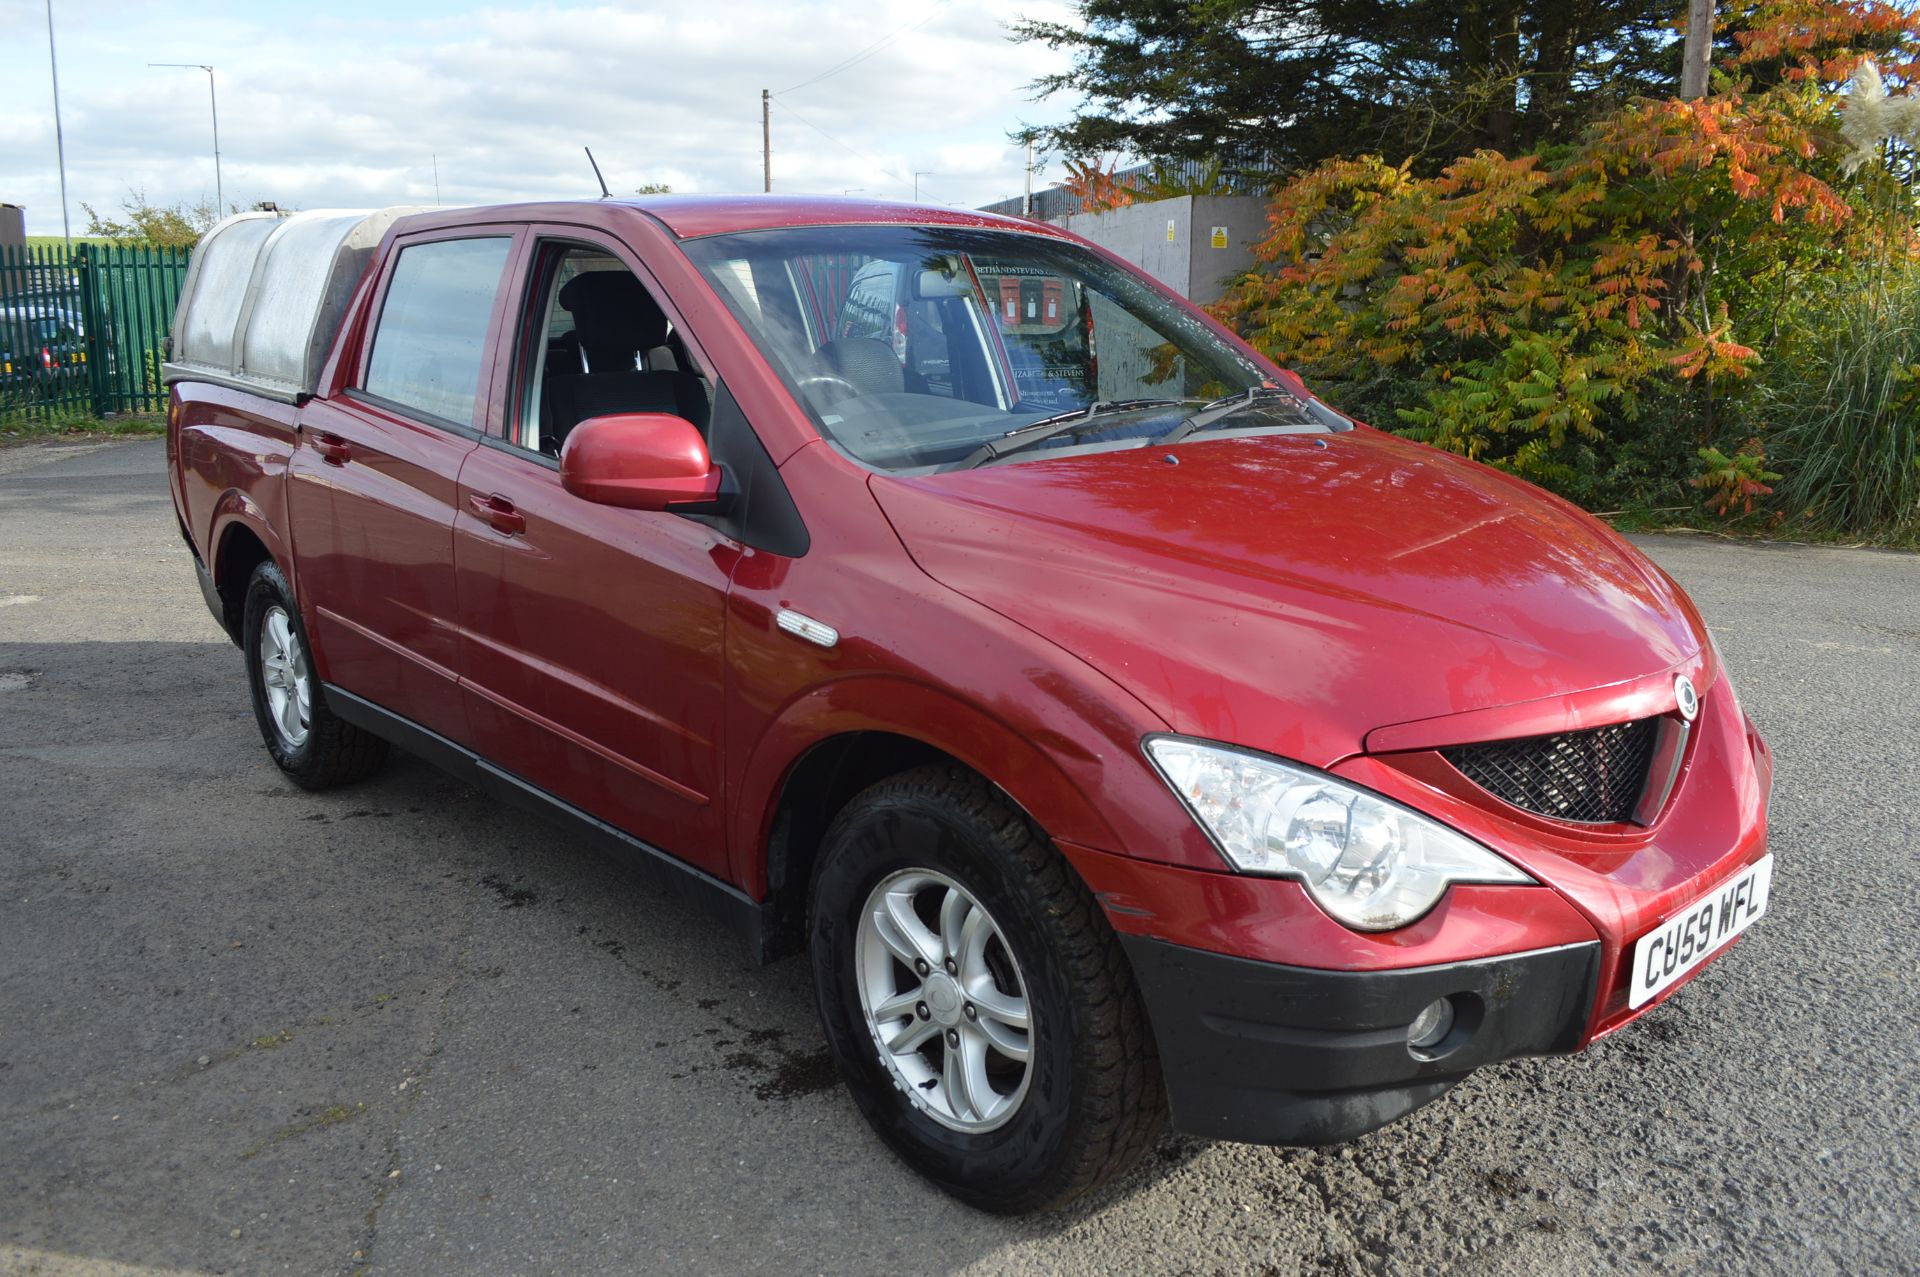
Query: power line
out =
(884, 42)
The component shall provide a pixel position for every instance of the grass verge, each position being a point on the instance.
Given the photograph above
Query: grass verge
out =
(1757, 527)
(80, 426)
(59, 241)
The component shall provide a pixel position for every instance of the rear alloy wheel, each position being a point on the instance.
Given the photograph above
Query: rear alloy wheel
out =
(287, 678)
(312, 746)
(975, 998)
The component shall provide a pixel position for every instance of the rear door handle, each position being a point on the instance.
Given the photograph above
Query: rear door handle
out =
(332, 449)
(499, 513)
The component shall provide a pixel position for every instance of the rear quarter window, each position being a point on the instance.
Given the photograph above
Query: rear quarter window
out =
(430, 341)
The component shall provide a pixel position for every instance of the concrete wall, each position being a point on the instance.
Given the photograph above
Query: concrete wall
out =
(1192, 244)
(13, 226)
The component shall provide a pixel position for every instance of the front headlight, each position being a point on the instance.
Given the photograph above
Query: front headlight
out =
(1370, 863)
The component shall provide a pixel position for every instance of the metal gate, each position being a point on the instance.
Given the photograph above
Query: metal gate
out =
(84, 336)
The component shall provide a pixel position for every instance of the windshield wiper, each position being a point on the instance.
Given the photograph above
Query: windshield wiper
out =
(1059, 424)
(1221, 409)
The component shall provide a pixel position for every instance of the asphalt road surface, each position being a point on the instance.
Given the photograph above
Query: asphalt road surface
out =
(403, 1029)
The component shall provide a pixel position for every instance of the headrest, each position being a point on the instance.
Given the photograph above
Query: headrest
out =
(867, 363)
(611, 310)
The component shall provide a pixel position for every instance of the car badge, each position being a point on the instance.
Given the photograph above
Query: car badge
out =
(1686, 697)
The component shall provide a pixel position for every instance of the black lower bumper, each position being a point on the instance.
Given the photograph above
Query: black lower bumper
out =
(1270, 1054)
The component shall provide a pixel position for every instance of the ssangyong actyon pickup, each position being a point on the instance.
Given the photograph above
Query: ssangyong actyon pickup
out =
(1128, 739)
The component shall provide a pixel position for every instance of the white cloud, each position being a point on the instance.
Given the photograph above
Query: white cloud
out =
(349, 106)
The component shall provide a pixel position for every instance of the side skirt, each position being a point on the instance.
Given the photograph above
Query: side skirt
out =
(744, 915)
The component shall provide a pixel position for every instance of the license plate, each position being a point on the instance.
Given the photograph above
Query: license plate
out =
(1665, 954)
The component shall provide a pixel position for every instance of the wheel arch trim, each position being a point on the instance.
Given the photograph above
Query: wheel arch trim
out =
(235, 513)
(927, 717)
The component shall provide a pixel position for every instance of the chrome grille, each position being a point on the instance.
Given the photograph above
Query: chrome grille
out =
(1592, 777)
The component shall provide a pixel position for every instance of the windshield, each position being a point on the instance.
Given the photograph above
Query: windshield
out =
(915, 347)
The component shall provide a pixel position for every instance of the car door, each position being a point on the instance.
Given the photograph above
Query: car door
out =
(594, 659)
(374, 478)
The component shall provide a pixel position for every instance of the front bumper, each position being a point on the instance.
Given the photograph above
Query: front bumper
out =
(1271, 1054)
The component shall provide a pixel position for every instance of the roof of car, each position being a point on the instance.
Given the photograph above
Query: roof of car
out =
(691, 216)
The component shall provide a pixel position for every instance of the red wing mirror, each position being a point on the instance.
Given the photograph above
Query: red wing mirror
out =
(643, 461)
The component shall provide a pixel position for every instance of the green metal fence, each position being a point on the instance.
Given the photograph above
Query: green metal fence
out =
(85, 335)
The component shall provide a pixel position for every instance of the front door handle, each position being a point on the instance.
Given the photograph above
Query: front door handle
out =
(332, 449)
(499, 514)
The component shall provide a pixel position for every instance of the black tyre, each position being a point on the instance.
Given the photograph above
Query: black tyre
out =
(310, 744)
(979, 1006)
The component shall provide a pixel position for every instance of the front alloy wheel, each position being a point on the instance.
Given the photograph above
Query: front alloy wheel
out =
(944, 1000)
(975, 997)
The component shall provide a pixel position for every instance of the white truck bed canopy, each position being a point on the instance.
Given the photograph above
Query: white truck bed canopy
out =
(264, 296)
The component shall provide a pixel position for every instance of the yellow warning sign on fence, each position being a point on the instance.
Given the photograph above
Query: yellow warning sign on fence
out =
(1219, 237)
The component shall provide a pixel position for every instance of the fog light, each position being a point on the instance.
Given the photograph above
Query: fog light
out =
(1431, 1026)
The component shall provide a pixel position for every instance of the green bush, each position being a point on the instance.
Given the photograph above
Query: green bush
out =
(1580, 316)
(1843, 401)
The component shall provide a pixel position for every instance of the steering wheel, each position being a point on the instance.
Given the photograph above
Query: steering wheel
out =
(845, 388)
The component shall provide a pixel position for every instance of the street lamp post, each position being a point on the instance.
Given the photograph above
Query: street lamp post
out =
(59, 138)
(219, 191)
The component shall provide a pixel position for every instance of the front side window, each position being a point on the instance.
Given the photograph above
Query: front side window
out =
(916, 347)
(596, 343)
(430, 342)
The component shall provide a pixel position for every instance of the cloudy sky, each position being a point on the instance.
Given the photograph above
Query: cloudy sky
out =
(346, 103)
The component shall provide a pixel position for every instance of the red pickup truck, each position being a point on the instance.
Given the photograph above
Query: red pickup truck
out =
(1126, 736)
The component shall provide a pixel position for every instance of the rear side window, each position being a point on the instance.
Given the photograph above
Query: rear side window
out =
(431, 340)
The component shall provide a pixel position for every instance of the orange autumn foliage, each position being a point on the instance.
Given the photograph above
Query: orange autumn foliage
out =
(1820, 40)
(1537, 299)
(1096, 187)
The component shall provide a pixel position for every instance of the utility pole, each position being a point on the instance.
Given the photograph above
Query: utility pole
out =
(219, 191)
(1026, 205)
(436, 179)
(916, 182)
(59, 138)
(766, 141)
(1698, 54)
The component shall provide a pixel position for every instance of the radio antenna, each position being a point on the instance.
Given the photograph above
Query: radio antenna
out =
(604, 192)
